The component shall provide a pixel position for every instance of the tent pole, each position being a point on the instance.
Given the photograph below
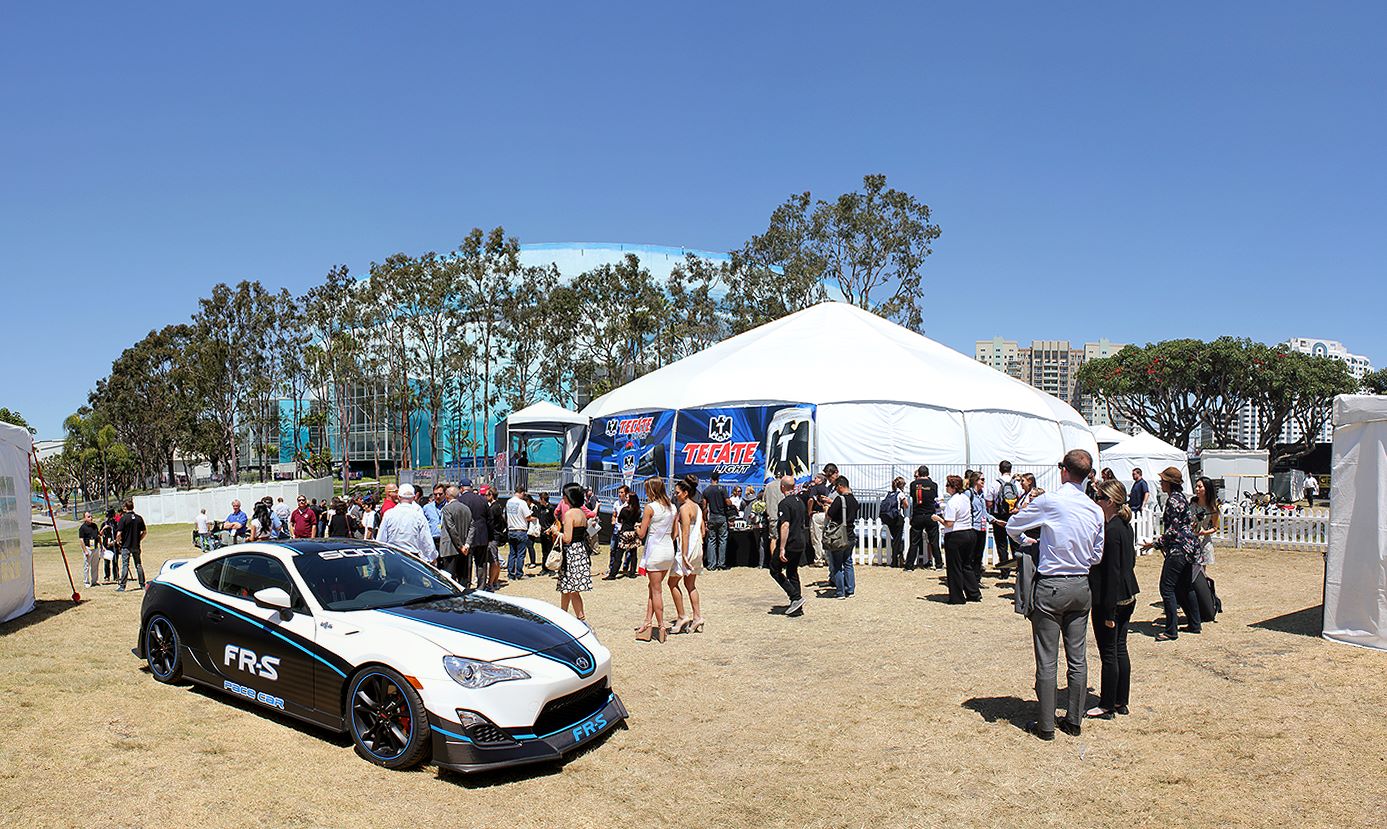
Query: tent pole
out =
(33, 452)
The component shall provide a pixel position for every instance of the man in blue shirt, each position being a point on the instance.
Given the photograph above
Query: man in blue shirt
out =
(433, 513)
(236, 523)
(1141, 492)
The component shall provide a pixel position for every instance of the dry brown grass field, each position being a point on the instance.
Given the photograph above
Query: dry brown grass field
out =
(888, 709)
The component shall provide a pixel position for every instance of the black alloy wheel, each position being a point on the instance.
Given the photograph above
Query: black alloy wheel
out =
(386, 716)
(162, 649)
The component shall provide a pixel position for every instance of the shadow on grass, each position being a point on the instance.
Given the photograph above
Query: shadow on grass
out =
(44, 609)
(339, 739)
(996, 709)
(520, 774)
(941, 598)
(1307, 622)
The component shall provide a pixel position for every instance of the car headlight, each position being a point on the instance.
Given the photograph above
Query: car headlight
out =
(474, 673)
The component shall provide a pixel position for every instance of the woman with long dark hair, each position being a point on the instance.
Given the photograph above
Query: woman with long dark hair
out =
(657, 529)
(956, 525)
(1204, 517)
(575, 574)
(1113, 583)
(688, 561)
(627, 517)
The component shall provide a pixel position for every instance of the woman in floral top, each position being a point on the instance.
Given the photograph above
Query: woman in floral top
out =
(1180, 545)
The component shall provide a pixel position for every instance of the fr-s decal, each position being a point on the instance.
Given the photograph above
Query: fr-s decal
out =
(243, 659)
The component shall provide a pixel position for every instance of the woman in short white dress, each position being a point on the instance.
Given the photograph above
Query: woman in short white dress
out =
(657, 531)
(689, 562)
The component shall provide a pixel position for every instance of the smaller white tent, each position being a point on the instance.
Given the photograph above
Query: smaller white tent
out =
(545, 419)
(1148, 453)
(1355, 569)
(1107, 436)
(16, 524)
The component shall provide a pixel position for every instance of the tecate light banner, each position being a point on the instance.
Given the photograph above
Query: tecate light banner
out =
(634, 446)
(752, 444)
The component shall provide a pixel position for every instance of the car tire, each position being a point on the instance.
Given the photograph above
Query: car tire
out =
(386, 719)
(163, 649)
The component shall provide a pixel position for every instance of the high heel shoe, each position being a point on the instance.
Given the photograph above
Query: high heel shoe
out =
(643, 634)
(680, 625)
(663, 635)
(696, 626)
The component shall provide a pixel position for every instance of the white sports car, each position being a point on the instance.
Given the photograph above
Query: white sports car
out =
(360, 637)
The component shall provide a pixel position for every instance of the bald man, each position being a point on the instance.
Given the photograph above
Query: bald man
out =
(790, 532)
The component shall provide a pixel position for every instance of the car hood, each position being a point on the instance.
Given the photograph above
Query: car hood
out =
(481, 626)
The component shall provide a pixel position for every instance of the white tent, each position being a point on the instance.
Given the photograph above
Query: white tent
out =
(1107, 436)
(16, 524)
(1148, 453)
(881, 393)
(1355, 570)
(545, 419)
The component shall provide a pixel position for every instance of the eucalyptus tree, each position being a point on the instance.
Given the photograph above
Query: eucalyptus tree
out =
(427, 300)
(14, 419)
(524, 316)
(228, 333)
(389, 328)
(694, 318)
(146, 398)
(333, 322)
(489, 264)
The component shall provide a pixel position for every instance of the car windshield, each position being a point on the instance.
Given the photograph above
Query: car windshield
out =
(370, 577)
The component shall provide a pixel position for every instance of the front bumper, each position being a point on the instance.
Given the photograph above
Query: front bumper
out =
(453, 749)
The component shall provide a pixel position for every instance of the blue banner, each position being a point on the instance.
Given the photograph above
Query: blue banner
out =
(746, 444)
(634, 446)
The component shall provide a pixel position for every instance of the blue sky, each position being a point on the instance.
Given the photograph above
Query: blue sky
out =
(1097, 169)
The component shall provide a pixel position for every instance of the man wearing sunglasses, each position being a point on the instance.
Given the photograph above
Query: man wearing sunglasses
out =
(1071, 542)
(303, 520)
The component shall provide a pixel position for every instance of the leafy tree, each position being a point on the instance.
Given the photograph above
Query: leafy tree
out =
(1159, 387)
(228, 331)
(1375, 382)
(870, 244)
(777, 272)
(694, 318)
(15, 419)
(490, 263)
(523, 318)
(146, 398)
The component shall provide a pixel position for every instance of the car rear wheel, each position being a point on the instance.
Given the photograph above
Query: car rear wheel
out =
(386, 717)
(163, 650)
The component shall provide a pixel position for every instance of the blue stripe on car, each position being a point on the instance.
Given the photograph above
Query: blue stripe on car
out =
(258, 624)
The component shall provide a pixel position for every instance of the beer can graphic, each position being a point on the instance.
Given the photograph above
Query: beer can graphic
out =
(789, 441)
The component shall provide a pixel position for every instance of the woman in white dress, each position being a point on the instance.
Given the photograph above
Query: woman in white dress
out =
(689, 562)
(657, 531)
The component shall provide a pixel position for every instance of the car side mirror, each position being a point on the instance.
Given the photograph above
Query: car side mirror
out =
(273, 598)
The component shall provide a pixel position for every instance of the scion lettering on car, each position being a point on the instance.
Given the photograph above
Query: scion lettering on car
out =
(246, 660)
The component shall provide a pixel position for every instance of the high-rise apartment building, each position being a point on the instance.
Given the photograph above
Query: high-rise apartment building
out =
(1052, 366)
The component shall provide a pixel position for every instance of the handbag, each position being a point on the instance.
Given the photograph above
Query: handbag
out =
(836, 532)
(554, 561)
(532, 530)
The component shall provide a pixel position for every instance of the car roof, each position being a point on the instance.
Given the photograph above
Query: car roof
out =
(323, 545)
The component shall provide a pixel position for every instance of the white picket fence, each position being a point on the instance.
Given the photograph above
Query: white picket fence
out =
(1303, 532)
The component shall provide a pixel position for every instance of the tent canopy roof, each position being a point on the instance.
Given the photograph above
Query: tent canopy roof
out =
(870, 360)
(1145, 445)
(1107, 435)
(543, 413)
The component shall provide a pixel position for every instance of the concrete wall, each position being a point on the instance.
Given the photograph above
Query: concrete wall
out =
(182, 507)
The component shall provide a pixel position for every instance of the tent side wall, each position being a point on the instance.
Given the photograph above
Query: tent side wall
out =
(1355, 577)
(16, 524)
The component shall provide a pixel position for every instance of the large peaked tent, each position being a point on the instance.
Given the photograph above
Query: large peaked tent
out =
(16, 524)
(1148, 453)
(881, 394)
(1355, 569)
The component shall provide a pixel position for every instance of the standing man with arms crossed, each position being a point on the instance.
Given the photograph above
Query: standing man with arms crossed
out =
(789, 546)
(90, 534)
(129, 533)
(1141, 492)
(716, 506)
(1071, 542)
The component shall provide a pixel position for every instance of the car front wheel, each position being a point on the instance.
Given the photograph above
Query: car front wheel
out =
(386, 718)
(162, 649)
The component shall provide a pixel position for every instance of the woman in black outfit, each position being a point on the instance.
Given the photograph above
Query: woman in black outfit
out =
(624, 541)
(340, 523)
(1113, 582)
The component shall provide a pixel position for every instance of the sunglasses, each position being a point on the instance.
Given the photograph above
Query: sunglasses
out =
(1101, 498)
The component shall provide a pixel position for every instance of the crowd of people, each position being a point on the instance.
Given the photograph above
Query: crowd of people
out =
(1072, 551)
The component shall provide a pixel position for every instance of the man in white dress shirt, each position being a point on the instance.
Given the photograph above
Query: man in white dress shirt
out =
(405, 526)
(1071, 542)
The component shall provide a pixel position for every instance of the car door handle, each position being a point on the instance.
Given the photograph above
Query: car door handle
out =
(216, 616)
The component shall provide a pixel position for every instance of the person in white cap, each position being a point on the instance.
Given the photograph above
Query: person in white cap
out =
(405, 526)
